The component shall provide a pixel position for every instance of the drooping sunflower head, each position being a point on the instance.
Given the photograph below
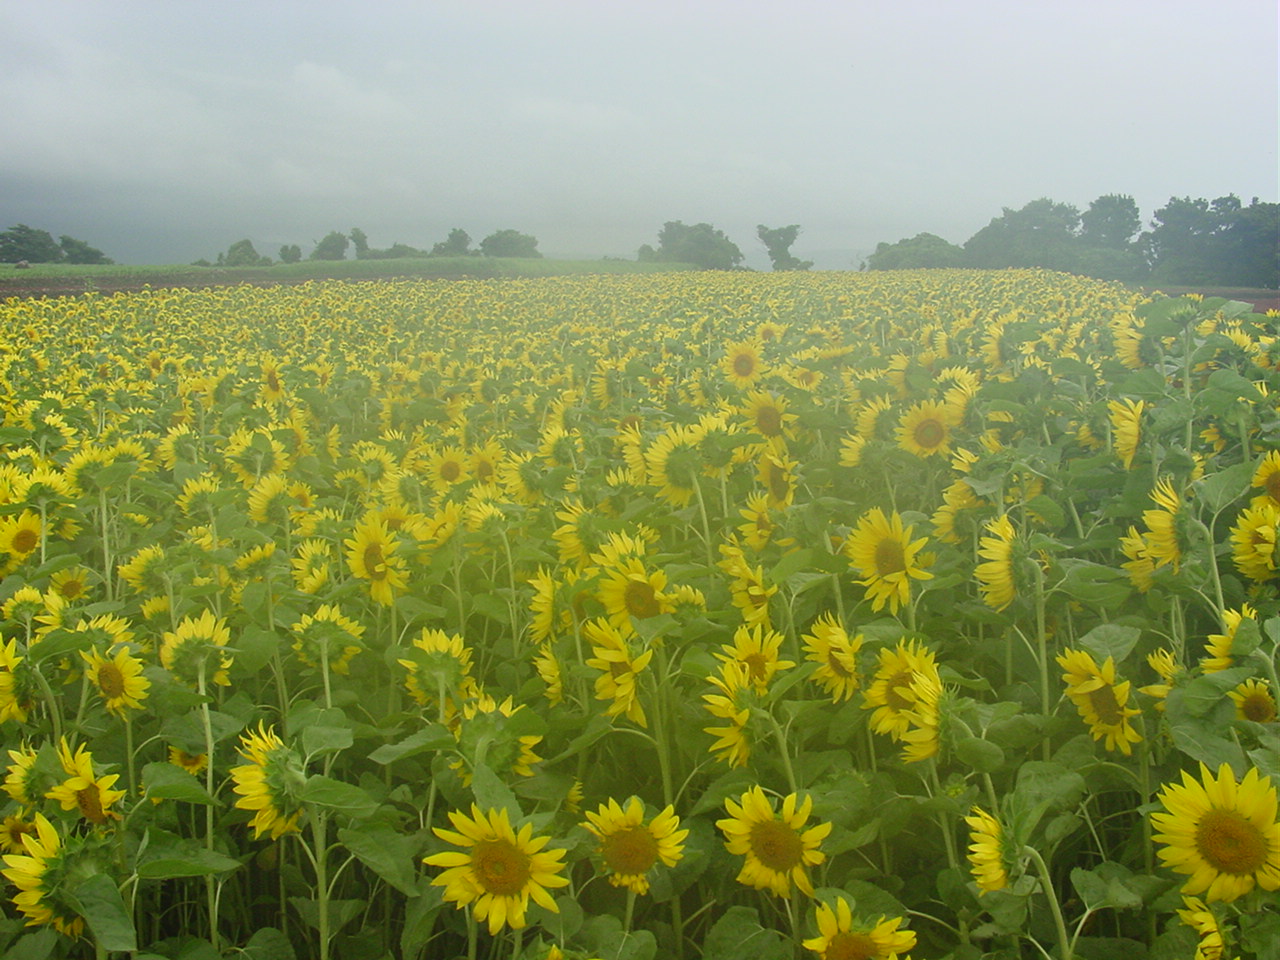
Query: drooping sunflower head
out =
(327, 636)
(620, 669)
(47, 873)
(758, 649)
(270, 783)
(1218, 651)
(989, 854)
(1126, 428)
(195, 651)
(1220, 832)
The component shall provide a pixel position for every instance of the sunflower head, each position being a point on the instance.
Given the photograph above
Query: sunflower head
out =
(629, 848)
(776, 846)
(269, 783)
(48, 872)
(843, 935)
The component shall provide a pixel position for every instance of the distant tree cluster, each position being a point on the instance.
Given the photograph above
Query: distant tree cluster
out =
(700, 244)
(38, 246)
(335, 244)
(1190, 242)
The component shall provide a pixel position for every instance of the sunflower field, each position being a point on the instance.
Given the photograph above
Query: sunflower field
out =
(720, 616)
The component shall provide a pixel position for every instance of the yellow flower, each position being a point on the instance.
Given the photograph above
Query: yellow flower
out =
(1267, 478)
(778, 850)
(840, 938)
(83, 790)
(742, 365)
(1165, 539)
(36, 876)
(270, 783)
(988, 856)
(1162, 662)
(439, 669)
(619, 671)
(629, 847)
(1254, 701)
(193, 763)
(732, 703)
(498, 869)
(1253, 541)
(629, 590)
(1099, 699)
(371, 557)
(674, 465)
(118, 679)
(893, 692)
(1222, 834)
(1200, 918)
(925, 429)
(1126, 426)
(327, 636)
(836, 653)
(885, 555)
(485, 736)
(1218, 650)
(997, 580)
(757, 649)
(195, 650)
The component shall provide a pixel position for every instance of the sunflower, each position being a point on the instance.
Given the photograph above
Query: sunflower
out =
(371, 557)
(925, 429)
(1253, 541)
(549, 673)
(1166, 537)
(775, 844)
(749, 591)
(1221, 833)
(733, 703)
(922, 736)
(37, 876)
(776, 472)
(18, 687)
(118, 679)
(629, 590)
(498, 869)
(619, 671)
(19, 780)
(674, 465)
(439, 668)
(1099, 699)
(885, 555)
(768, 416)
(83, 790)
(145, 571)
(270, 784)
(756, 648)
(836, 654)
(840, 938)
(312, 567)
(1199, 917)
(1254, 701)
(989, 854)
(269, 500)
(892, 693)
(760, 525)
(485, 736)
(327, 636)
(195, 649)
(1139, 565)
(12, 830)
(631, 848)
(1126, 426)
(851, 447)
(19, 537)
(958, 497)
(1168, 669)
(71, 583)
(1218, 655)
(1267, 479)
(193, 763)
(742, 365)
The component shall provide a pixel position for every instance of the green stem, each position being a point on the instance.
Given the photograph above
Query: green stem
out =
(51, 703)
(784, 750)
(1042, 654)
(319, 823)
(1064, 945)
(210, 890)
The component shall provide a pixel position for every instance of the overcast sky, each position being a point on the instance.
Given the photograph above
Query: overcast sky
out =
(164, 131)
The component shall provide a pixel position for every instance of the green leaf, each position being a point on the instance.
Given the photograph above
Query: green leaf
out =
(983, 755)
(420, 918)
(98, 900)
(1110, 640)
(340, 797)
(1104, 886)
(341, 912)
(318, 740)
(385, 851)
(166, 781)
(268, 943)
(738, 935)
(1221, 488)
(1204, 693)
(189, 859)
(492, 794)
(429, 739)
(59, 642)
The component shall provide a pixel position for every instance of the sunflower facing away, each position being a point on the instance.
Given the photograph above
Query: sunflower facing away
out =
(775, 844)
(886, 556)
(988, 856)
(270, 783)
(629, 847)
(498, 869)
(842, 937)
(1221, 833)
(1099, 699)
(37, 876)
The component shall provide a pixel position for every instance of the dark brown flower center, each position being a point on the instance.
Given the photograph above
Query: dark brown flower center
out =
(450, 470)
(776, 846)
(1258, 707)
(929, 434)
(25, 540)
(500, 867)
(744, 364)
(630, 851)
(852, 946)
(375, 566)
(1104, 703)
(110, 680)
(90, 803)
(769, 420)
(890, 557)
(640, 600)
(1230, 844)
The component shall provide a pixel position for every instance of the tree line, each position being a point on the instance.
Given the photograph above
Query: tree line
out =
(24, 244)
(1189, 242)
(335, 244)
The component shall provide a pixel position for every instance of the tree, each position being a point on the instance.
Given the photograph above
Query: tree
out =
(361, 242)
(290, 253)
(29, 244)
(923, 251)
(332, 247)
(242, 254)
(700, 244)
(1112, 221)
(1041, 234)
(77, 251)
(777, 241)
(457, 244)
(509, 243)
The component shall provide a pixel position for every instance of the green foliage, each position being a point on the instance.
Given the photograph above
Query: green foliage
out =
(457, 244)
(332, 247)
(508, 243)
(38, 246)
(700, 244)
(1038, 235)
(242, 254)
(290, 253)
(778, 241)
(923, 251)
